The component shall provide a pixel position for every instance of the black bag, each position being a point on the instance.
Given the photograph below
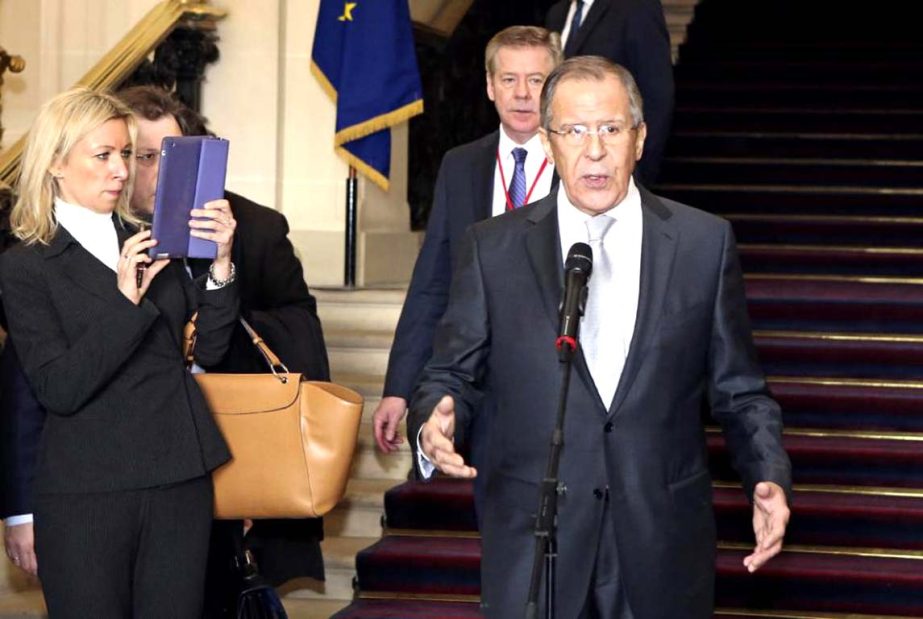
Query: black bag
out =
(256, 598)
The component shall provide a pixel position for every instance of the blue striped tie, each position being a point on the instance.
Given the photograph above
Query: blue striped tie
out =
(518, 184)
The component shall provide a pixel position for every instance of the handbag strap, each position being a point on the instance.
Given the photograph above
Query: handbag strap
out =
(278, 369)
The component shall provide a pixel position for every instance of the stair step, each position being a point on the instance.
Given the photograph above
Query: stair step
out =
(410, 609)
(841, 458)
(357, 338)
(835, 303)
(797, 199)
(817, 229)
(831, 259)
(371, 310)
(809, 144)
(367, 385)
(359, 513)
(368, 463)
(372, 361)
(879, 518)
(807, 578)
(841, 355)
(811, 96)
(414, 608)
(441, 504)
(831, 516)
(312, 609)
(422, 565)
(738, 72)
(773, 109)
(890, 406)
(340, 570)
(876, 583)
(792, 171)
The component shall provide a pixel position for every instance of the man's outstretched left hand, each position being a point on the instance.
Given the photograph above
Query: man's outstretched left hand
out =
(770, 518)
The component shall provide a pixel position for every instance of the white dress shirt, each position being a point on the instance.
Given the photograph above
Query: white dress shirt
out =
(623, 247)
(570, 16)
(94, 231)
(533, 164)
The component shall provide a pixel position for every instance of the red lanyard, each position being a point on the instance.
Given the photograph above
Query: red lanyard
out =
(509, 203)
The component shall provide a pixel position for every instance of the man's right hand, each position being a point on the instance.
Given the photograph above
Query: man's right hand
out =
(436, 441)
(385, 422)
(19, 541)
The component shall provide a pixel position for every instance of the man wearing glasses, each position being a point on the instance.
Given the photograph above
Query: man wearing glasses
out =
(665, 326)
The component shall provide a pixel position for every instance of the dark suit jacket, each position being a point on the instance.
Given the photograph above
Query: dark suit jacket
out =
(274, 297)
(634, 34)
(463, 196)
(21, 422)
(495, 352)
(124, 411)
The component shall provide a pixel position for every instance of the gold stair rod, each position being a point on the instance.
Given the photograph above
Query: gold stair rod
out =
(122, 59)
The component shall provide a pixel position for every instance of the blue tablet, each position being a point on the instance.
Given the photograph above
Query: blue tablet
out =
(192, 172)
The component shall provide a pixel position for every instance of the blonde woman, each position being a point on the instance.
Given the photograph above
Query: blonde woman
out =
(123, 496)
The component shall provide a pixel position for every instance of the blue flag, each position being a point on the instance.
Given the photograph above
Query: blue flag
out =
(364, 58)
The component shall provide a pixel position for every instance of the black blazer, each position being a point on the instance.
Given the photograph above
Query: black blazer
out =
(463, 196)
(124, 413)
(634, 34)
(21, 422)
(274, 297)
(494, 352)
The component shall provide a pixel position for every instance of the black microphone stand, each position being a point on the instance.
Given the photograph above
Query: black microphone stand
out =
(546, 543)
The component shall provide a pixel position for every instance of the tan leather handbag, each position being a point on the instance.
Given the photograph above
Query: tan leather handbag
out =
(292, 441)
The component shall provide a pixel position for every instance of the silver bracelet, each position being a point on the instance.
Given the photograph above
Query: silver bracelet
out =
(221, 283)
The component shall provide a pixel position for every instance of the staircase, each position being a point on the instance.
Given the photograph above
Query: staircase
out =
(802, 123)
(358, 328)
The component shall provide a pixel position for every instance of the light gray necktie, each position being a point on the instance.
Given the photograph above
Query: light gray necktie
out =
(596, 332)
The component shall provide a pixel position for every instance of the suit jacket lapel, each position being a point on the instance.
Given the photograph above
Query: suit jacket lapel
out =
(658, 248)
(81, 266)
(543, 245)
(592, 18)
(483, 182)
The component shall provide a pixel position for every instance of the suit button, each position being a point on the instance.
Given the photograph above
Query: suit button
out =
(598, 493)
(608, 427)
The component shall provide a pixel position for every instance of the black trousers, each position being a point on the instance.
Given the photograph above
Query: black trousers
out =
(606, 597)
(136, 554)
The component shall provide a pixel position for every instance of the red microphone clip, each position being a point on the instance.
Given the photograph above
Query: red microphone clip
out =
(566, 339)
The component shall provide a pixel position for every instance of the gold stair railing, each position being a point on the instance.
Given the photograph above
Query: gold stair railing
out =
(122, 59)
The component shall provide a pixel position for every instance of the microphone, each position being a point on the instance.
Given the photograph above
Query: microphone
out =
(577, 269)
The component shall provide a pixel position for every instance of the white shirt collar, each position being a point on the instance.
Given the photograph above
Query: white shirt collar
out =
(571, 220)
(533, 146)
(94, 231)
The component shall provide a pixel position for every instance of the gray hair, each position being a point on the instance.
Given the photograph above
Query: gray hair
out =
(523, 36)
(594, 68)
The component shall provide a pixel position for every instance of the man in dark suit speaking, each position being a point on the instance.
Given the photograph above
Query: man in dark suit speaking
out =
(666, 325)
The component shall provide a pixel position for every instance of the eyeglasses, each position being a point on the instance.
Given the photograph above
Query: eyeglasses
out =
(578, 135)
